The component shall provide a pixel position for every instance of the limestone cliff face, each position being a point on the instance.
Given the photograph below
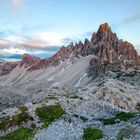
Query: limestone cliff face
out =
(28, 60)
(111, 52)
(7, 67)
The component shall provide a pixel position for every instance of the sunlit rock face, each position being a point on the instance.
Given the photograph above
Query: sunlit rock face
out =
(112, 53)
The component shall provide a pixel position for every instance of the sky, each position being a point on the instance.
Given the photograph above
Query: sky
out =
(41, 27)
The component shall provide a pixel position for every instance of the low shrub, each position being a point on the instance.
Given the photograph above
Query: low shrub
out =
(20, 118)
(15, 120)
(132, 74)
(48, 114)
(20, 134)
(119, 117)
(4, 122)
(92, 134)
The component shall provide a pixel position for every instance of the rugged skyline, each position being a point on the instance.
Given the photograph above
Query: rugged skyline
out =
(28, 26)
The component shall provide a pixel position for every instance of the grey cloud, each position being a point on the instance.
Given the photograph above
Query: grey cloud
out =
(132, 19)
(67, 40)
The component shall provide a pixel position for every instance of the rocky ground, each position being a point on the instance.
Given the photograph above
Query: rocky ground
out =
(85, 106)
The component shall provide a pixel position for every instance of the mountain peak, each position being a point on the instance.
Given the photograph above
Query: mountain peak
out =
(29, 60)
(104, 34)
(104, 27)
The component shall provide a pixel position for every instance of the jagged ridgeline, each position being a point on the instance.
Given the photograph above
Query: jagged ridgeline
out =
(109, 53)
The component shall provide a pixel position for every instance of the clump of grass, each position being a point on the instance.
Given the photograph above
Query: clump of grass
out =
(92, 134)
(48, 114)
(4, 123)
(132, 74)
(23, 108)
(20, 134)
(15, 120)
(109, 121)
(45, 125)
(20, 118)
(119, 117)
(125, 116)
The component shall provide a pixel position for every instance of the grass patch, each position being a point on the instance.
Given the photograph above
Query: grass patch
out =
(4, 122)
(48, 114)
(132, 74)
(16, 120)
(45, 125)
(119, 117)
(92, 134)
(20, 134)
(20, 118)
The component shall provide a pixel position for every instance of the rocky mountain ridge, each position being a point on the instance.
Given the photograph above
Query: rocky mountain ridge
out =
(108, 50)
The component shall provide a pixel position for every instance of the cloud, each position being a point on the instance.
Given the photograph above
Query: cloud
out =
(51, 38)
(10, 50)
(132, 19)
(17, 5)
(67, 40)
(88, 34)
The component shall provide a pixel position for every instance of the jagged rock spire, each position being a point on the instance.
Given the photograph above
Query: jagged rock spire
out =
(104, 34)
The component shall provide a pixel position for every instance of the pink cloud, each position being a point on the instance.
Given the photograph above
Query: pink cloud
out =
(17, 5)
